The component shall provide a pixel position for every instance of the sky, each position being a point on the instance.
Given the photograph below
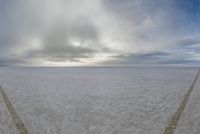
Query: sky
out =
(99, 32)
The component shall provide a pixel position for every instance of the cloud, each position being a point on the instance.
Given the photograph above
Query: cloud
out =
(186, 52)
(55, 30)
(63, 44)
(90, 32)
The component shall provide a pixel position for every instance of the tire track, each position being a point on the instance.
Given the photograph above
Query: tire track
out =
(175, 119)
(17, 121)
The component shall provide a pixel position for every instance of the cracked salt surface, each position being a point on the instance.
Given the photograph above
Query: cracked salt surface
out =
(96, 100)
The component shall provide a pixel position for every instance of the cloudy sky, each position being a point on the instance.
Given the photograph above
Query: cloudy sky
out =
(99, 32)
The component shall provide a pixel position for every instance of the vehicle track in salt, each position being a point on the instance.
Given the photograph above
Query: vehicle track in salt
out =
(175, 119)
(17, 121)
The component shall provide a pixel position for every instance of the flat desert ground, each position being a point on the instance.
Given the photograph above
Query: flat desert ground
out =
(99, 100)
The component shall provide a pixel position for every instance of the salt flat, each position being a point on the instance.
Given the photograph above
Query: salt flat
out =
(190, 121)
(6, 124)
(96, 100)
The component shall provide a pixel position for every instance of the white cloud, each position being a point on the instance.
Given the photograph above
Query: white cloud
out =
(69, 32)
